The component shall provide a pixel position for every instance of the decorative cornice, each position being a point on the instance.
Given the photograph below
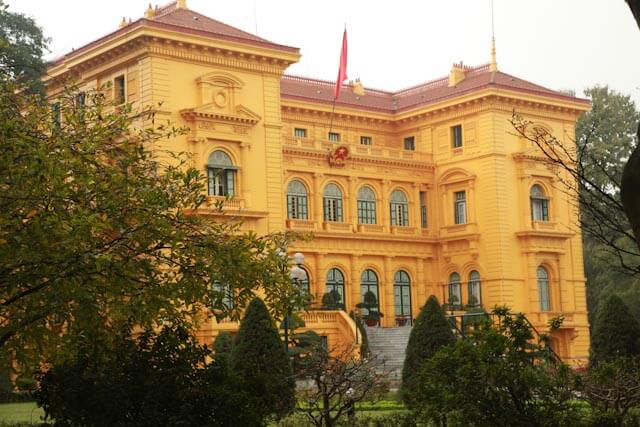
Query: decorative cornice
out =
(310, 153)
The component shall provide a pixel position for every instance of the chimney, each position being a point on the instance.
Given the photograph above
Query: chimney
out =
(457, 74)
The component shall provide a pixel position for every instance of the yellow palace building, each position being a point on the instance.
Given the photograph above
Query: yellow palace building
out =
(411, 193)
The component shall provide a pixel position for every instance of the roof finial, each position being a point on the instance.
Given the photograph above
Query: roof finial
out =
(150, 12)
(181, 4)
(493, 67)
(123, 23)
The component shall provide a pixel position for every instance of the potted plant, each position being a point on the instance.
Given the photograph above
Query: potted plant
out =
(370, 303)
(332, 301)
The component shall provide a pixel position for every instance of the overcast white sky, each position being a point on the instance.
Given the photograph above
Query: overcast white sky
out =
(560, 44)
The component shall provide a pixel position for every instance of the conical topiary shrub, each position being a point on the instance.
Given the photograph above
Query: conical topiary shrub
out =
(430, 332)
(259, 358)
(616, 333)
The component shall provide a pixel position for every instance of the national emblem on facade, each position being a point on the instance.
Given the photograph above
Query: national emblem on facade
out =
(339, 156)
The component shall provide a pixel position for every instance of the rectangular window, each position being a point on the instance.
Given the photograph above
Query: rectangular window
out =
(334, 137)
(456, 136)
(80, 100)
(223, 296)
(455, 295)
(56, 115)
(119, 90)
(366, 212)
(423, 209)
(332, 209)
(543, 291)
(221, 182)
(410, 143)
(297, 206)
(365, 140)
(460, 207)
(400, 214)
(300, 133)
(539, 209)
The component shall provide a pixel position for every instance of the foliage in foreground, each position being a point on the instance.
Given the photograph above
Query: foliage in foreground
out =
(339, 382)
(259, 357)
(158, 379)
(431, 332)
(499, 377)
(98, 233)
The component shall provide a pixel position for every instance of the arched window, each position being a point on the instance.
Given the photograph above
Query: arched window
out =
(332, 203)
(335, 282)
(455, 291)
(402, 298)
(297, 206)
(475, 294)
(369, 283)
(543, 289)
(222, 174)
(366, 206)
(539, 204)
(399, 209)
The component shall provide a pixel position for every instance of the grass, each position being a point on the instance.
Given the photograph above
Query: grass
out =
(26, 412)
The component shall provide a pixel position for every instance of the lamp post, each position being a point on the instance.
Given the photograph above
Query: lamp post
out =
(296, 274)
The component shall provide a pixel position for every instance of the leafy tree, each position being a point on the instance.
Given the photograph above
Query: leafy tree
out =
(97, 233)
(499, 377)
(159, 379)
(339, 382)
(259, 357)
(616, 333)
(430, 333)
(222, 347)
(22, 46)
(612, 390)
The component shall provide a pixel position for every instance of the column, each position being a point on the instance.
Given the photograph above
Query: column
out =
(352, 215)
(416, 221)
(245, 190)
(385, 205)
(317, 199)
(354, 279)
(386, 291)
(320, 277)
(420, 288)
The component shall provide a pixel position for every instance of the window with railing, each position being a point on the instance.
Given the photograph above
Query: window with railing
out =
(474, 297)
(455, 291)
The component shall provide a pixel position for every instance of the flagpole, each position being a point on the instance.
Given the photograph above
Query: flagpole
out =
(342, 76)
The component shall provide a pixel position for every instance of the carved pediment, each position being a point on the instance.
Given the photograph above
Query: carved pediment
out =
(210, 112)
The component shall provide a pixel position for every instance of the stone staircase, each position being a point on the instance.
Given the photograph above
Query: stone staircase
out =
(388, 345)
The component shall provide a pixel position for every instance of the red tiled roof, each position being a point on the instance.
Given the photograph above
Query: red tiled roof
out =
(184, 20)
(476, 78)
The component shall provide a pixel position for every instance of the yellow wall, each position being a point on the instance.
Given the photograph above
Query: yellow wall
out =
(230, 100)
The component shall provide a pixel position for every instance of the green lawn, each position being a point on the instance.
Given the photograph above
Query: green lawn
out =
(20, 413)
